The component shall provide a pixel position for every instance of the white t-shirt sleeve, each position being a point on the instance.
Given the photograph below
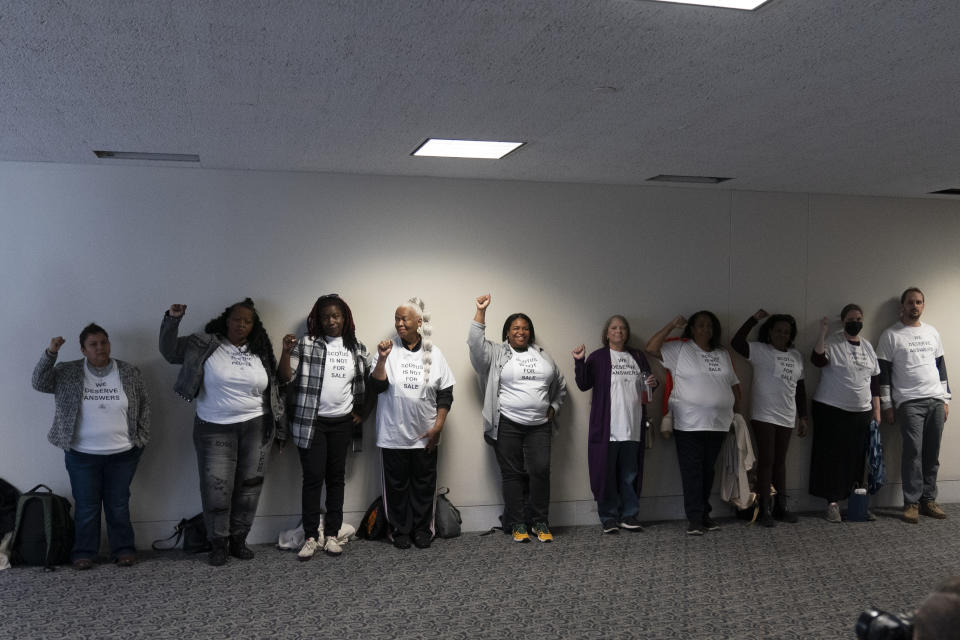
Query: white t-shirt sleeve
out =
(670, 351)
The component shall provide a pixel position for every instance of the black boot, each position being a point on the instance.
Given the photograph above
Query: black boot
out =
(780, 511)
(766, 515)
(239, 548)
(218, 552)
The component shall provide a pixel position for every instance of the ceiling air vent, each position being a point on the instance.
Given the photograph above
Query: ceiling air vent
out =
(142, 155)
(688, 179)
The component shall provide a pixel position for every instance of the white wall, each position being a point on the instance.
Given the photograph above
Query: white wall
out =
(118, 245)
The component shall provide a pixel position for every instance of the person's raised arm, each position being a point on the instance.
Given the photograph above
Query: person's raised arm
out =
(481, 350)
(172, 347)
(655, 343)
(482, 303)
(384, 347)
(44, 374)
(284, 370)
(739, 341)
(819, 355)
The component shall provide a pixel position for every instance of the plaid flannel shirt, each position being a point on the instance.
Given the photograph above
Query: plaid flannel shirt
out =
(304, 388)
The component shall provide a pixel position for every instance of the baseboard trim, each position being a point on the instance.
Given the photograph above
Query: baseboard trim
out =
(478, 518)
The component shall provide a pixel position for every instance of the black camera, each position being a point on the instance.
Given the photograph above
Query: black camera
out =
(874, 624)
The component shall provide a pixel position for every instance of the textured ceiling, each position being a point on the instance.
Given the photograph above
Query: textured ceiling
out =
(841, 96)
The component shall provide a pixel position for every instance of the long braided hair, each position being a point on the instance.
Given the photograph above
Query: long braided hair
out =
(315, 329)
(258, 342)
(426, 332)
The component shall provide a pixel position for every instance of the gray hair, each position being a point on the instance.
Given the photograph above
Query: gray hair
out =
(425, 330)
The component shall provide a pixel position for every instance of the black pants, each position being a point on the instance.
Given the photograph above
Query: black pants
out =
(697, 453)
(325, 461)
(409, 487)
(772, 443)
(523, 453)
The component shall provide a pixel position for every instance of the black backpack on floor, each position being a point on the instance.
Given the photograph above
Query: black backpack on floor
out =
(374, 523)
(9, 495)
(43, 531)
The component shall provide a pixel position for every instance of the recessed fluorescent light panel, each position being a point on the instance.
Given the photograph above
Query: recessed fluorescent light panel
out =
(142, 155)
(747, 5)
(483, 149)
(688, 179)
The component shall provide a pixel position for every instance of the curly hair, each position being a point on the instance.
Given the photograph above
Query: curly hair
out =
(767, 327)
(258, 342)
(419, 307)
(714, 321)
(604, 339)
(315, 328)
(522, 316)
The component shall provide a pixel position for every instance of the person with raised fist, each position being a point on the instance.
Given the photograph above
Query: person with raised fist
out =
(228, 368)
(102, 422)
(523, 390)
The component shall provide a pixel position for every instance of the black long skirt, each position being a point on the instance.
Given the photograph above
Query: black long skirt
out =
(840, 440)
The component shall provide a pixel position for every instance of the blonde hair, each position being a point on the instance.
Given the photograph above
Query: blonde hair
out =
(425, 330)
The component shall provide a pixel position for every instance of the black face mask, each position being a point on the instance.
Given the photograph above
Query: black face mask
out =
(852, 327)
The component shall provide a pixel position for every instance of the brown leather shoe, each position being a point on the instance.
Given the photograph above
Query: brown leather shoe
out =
(126, 561)
(911, 514)
(932, 510)
(82, 564)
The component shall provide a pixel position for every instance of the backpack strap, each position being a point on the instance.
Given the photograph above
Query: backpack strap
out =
(177, 533)
(48, 531)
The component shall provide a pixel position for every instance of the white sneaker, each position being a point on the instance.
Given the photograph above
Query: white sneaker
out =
(332, 547)
(833, 513)
(308, 549)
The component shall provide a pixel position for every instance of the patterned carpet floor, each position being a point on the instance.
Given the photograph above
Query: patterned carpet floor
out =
(808, 580)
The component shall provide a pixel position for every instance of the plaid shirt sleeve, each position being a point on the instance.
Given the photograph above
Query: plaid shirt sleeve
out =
(307, 380)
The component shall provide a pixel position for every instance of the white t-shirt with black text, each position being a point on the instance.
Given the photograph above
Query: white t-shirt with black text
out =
(336, 391)
(913, 352)
(845, 380)
(525, 387)
(702, 398)
(102, 428)
(775, 377)
(408, 408)
(234, 381)
(626, 409)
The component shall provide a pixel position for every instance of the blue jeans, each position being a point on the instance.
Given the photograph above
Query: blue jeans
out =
(921, 425)
(523, 453)
(101, 481)
(231, 459)
(620, 499)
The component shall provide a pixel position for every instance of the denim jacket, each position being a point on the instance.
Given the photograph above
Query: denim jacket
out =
(192, 352)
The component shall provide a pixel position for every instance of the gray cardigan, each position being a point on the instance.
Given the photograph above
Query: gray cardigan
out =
(192, 352)
(65, 382)
(488, 359)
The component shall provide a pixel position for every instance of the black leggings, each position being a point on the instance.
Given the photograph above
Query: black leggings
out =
(772, 443)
